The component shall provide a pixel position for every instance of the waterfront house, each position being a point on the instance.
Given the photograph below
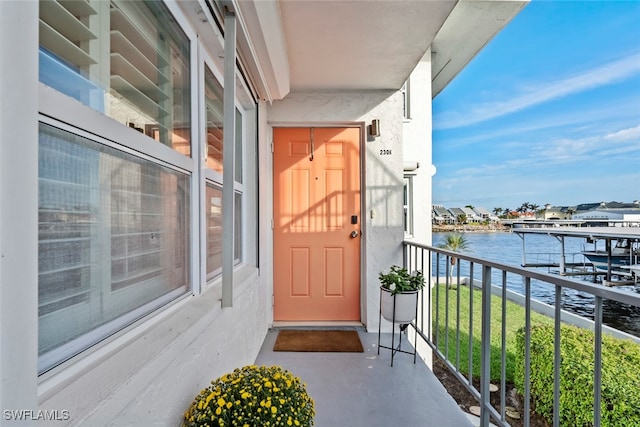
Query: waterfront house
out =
(170, 170)
(459, 215)
(471, 214)
(441, 215)
(485, 214)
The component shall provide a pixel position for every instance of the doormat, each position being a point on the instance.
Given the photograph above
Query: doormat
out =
(318, 341)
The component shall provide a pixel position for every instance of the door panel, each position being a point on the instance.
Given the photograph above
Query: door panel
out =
(316, 193)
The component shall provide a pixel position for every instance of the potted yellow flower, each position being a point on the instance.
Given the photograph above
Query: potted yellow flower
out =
(253, 396)
(399, 286)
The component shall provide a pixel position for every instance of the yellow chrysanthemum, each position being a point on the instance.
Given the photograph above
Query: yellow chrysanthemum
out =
(252, 396)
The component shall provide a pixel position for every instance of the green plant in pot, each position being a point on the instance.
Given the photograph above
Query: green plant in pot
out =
(398, 290)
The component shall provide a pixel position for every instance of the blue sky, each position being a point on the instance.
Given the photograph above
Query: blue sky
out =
(547, 112)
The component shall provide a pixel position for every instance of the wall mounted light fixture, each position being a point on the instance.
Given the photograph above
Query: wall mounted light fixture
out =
(374, 128)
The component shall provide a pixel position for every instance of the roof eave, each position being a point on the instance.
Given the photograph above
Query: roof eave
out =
(469, 27)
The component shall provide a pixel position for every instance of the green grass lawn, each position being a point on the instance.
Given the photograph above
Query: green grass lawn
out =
(515, 319)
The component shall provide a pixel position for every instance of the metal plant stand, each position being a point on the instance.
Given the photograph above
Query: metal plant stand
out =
(401, 328)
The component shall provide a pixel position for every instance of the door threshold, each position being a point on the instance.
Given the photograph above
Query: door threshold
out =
(317, 324)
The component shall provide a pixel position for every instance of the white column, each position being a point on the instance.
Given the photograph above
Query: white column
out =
(228, 156)
(417, 147)
(19, 208)
(200, 205)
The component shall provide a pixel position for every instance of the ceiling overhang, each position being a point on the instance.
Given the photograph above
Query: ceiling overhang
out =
(311, 45)
(468, 29)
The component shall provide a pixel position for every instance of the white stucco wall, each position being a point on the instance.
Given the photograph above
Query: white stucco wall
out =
(417, 137)
(150, 374)
(382, 215)
(417, 143)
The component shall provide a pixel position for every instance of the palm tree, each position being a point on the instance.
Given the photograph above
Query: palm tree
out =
(570, 213)
(523, 209)
(454, 242)
(534, 209)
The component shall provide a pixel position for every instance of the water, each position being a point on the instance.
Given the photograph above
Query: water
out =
(507, 248)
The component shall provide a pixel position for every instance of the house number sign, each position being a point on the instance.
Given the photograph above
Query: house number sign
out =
(385, 152)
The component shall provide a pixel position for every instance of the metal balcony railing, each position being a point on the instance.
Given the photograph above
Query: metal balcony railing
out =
(491, 278)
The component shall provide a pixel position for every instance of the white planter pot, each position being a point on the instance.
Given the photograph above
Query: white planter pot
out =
(406, 303)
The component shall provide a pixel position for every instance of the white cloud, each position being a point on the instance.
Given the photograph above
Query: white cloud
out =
(622, 111)
(625, 134)
(608, 146)
(540, 92)
(545, 157)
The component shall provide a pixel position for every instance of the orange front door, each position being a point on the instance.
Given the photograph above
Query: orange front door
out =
(317, 224)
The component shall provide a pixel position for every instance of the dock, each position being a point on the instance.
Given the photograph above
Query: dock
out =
(626, 274)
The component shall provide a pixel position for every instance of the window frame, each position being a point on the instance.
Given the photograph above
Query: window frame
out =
(406, 100)
(68, 114)
(59, 354)
(62, 111)
(215, 178)
(407, 205)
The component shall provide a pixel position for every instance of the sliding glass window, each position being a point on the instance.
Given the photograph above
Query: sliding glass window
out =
(113, 241)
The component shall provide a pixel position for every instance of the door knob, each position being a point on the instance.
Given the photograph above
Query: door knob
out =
(354, 234)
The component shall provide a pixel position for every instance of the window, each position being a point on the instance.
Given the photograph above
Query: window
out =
(126, 59)
(239, 187)
(213, 98)
(406, 100)
(408, 205)
(113, 241)
(237, 227)
(238, 148)
(214, 230)
(115, 218)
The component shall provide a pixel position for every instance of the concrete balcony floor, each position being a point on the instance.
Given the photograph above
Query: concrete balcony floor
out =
(363, 390)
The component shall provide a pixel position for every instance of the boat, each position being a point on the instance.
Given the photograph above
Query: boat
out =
(634, 269)
(624, 253)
